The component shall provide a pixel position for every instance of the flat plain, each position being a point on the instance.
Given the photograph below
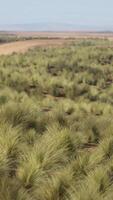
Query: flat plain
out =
(46, 39)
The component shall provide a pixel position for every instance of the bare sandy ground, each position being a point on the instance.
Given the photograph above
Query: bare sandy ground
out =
(23, 46)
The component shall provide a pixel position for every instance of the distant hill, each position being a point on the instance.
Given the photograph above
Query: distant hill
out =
(54, 27)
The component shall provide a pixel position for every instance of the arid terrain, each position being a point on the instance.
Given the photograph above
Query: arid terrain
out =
(56, 114)
(68, 34)
(22, 46)
(46, 39)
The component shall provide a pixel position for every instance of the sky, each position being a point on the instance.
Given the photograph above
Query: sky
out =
(89, 13)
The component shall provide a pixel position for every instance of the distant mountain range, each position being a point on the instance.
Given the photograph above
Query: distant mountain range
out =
(54, 27)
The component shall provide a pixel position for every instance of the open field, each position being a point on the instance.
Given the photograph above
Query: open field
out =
(22, 41)
(68, 34)
(56, 120)
(22, 46)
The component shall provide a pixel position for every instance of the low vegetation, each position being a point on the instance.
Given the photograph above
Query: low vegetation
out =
(56, 123)
(6, 37)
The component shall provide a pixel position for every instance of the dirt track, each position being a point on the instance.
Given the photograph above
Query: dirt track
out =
(22, 46)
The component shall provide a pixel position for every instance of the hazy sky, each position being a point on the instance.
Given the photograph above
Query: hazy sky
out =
(79, 12)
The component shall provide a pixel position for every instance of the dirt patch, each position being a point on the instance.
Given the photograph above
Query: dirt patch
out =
(23, 46)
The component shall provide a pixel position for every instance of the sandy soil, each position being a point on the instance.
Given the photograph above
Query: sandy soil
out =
(22, 46)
